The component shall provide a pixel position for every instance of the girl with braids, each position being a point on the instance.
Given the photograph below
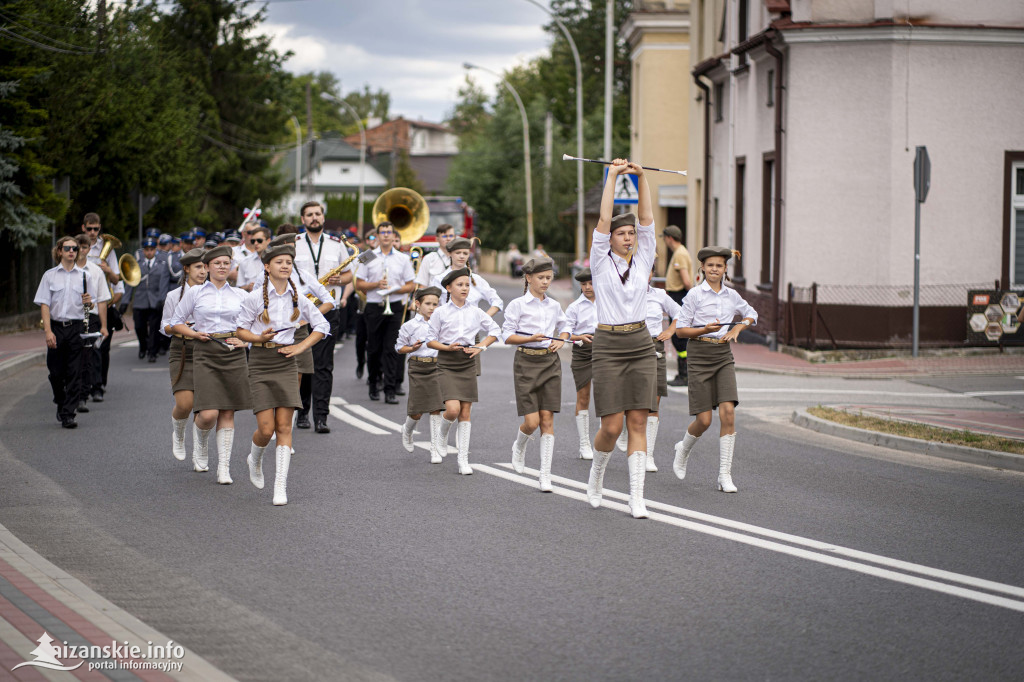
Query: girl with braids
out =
(706, 321)
(460, 250)
(268, 320)
(624, 361)
(451, 331)
(531, 323)
(219, 363)
(193, 274)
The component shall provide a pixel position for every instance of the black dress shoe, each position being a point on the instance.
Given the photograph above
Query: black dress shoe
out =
(679, 380)
(302, 421)
(359, 371)
(374, 393)
(321, 427)
(142, 353)
(97, 397)
(152, 358)
(68, 423)
(390, 399)
(82, 407)
(399, 391)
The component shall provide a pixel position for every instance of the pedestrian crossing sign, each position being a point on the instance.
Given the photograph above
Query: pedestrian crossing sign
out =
(627, 188)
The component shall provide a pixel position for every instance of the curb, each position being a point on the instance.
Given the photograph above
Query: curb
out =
(20, 362)
(959, 453)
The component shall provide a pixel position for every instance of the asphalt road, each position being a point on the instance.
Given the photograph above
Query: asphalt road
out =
(834, 561)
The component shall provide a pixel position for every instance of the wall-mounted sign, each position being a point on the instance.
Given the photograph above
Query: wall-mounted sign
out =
(994, 317)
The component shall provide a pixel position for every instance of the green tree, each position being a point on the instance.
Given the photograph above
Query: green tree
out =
(470, 111)
(405, 175)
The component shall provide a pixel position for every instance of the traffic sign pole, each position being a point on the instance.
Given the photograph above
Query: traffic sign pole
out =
(922, 182)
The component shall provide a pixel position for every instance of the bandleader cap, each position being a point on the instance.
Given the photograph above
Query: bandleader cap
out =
(454, 275)
(217, 252)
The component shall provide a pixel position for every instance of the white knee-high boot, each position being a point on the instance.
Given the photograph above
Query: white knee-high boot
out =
(519, 451)
(284, 459)
(437, 448)
(200, 448)
(652, 436)
(683, 449)
(547, 452)
(637, 470)
(462, 440)
(255, 461)
(407, 429)
(225, 439)
(725, 448)
(583, 429)
(595, 483)
(178, 438)
(446, 430)
(623, 442)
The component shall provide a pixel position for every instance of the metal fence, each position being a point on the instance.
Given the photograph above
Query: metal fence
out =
(884, 296)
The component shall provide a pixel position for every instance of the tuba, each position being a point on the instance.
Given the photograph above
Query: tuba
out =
(127, 266)
(406, 210)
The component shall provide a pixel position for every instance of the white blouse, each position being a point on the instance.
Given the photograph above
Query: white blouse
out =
(659, 303)
(412, 331)
(703, 306)
(213, 310)
(529, 315)
(582, 316)
(174, 296)
(451, 324)
(618, 302)
(479, 290)
(280, 307)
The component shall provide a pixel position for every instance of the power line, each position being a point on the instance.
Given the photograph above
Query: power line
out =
(28, 41)
(44, 36)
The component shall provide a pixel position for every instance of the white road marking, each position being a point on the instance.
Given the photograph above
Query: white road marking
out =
(889, 394)
(373, 417)
(828, 559)
(344, 416)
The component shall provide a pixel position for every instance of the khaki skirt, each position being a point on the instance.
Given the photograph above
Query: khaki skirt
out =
(273, 380)
(625, 372)
(458, 376)
(304, 361)
(424, 388)
(662, 368)
(581, 365)
(712, 375)
(221, 378)
(538, 382)
(181, 376)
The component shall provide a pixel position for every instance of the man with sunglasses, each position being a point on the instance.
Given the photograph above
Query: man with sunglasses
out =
(63, 293)
(250, 267)
(92, 227)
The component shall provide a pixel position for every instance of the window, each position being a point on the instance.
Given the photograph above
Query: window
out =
(767, 215)
(741, 195)
(744, 12)
(719, 96)
(771, 88)
(1017, 225)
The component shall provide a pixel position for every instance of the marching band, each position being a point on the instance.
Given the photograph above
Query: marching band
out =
(250, 325)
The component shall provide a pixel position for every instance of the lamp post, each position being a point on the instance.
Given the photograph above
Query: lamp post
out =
(580, 238)
(362, 152)
(526, 152)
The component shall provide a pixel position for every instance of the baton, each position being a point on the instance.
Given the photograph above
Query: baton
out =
(566, 157)
(554, 338)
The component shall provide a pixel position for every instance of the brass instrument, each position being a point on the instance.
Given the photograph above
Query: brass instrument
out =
(363, 258)
(416, 253)
(406, 210)
(127, 265)
(110, 243)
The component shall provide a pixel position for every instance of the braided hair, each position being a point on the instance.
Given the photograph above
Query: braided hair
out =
(295, 299)
(265, 316)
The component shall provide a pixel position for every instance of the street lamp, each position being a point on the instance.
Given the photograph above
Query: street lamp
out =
(526, 152)
(362, 152)
(580, 239)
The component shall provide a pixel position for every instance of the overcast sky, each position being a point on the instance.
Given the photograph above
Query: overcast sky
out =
(414, 49)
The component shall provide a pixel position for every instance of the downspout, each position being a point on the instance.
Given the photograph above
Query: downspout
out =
(707, 156)
(777, 251)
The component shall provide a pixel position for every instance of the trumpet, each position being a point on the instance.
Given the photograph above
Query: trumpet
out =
(387, 297)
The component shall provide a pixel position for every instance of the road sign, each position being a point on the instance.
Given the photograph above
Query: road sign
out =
(627, 188)
(922, 173)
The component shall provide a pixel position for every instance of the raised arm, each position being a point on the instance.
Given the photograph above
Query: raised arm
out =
(604, 222)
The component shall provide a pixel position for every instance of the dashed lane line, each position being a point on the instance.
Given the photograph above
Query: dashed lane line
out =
(373, 417)
(822, 558)
(344, 416)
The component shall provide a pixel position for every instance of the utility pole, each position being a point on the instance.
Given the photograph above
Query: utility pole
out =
(101, 20)
(609, 70)
(309, 135)
(549, 141)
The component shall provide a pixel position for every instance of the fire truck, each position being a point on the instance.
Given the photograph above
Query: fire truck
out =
(452, 210)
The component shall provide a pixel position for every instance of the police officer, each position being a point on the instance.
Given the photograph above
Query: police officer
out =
(148, 298)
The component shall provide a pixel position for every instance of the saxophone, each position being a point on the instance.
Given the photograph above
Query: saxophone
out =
(335, 271)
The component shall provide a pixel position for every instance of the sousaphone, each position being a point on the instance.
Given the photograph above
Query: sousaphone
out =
(406, 210)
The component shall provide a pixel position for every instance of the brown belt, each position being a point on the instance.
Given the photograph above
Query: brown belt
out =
(420, 358)
(630, 327)
(711, 339)
(180, 336)
(222, 335)
(533, 351)
(271, 344)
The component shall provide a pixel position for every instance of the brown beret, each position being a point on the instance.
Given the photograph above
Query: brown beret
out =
(283, 239)
(192, 256)
(623, 220)
(674, 232)
(272, 252)
(427, 291)
(454, 275)
(537, 265)
(460, 243)
(583, 275)
(217, 252)
(709, 251)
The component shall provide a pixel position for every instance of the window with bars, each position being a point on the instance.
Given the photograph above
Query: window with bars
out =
(1017, 224)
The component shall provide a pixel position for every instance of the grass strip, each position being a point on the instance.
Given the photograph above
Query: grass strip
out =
(919, 431)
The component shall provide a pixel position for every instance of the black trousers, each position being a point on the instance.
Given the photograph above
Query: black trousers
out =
(361, 338)
(92, 361)
(323, 369)
(104, 350)
(382, 359)
(66, 365)
(147, 327)
(679, 343)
